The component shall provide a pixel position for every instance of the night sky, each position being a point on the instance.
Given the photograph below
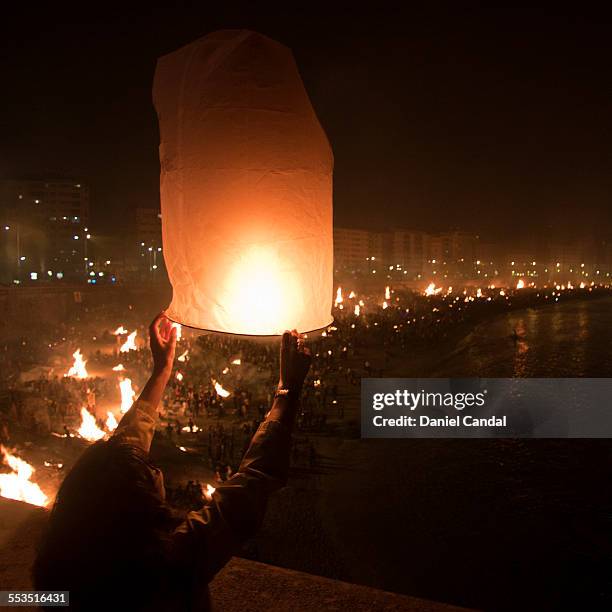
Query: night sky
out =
(483, 119)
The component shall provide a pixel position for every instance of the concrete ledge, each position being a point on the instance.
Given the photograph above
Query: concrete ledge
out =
(242, 586)
(247, 586)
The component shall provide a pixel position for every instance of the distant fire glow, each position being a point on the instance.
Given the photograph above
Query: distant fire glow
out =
(17, 484)
(520, 284)
(208, 493)
(89, 430)
(120, 331)
(339, 299)
(111, 422)
(78, 369)
(179, 330)
(431, 289)
(221, 392)
(119, 368)
(129, 344)
(127, 394)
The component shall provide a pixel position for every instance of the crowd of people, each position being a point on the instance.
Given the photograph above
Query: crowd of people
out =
(223, 385)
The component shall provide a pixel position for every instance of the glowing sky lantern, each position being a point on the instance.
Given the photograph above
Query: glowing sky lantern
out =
(246, 188)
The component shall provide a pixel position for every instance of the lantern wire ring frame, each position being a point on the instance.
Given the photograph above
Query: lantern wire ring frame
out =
(255, 337)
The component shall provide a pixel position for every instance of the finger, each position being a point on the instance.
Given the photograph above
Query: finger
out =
(154, 328)
(165, 328)
(286, 340)
(155, 323)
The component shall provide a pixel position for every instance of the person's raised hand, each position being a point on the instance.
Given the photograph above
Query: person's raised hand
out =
(295, 360)
(162, 339)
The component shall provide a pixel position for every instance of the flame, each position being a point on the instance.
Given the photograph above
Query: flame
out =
(225, 370)
(236, 362)
(357, 310)
(127, 394)
(352, 294)
(582, 285)
(129, 344)
(179, 376)
(387, 293)
(17, 484)
(339, 298)
(520, 284)
(120, 331)
(220, 390)
(119, 368)
(78, 369)
(111, 422)
(385, 305)
(183, 357)
(209, 492)
(88, 429)
(479, 292)
(179, 332)
(188, 429)
(431, 289)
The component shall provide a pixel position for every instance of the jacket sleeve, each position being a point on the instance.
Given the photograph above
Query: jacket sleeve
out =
(137, 426)
(210, 536)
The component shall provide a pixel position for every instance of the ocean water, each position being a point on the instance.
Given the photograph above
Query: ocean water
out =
(572, 339)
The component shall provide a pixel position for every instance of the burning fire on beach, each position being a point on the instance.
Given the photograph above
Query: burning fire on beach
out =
(220, 390)
(209, 492)
(17, 484)
(431, 289)
(129, 344)
(111, 422)
(78, 369)
(128, 395)
(89, 430)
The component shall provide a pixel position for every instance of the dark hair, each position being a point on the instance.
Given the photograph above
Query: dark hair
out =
(108, 532)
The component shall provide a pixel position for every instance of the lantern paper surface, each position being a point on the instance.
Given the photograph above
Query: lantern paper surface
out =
(246, 188)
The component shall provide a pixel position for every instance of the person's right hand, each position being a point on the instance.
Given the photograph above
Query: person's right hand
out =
(162, 338)
(295, 360)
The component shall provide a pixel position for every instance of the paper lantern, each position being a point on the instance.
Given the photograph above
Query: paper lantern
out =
(246, 188)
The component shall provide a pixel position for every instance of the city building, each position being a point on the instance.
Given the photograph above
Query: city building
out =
(148, 244)
(45, 227)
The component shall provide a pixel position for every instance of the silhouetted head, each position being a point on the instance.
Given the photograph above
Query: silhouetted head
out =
(108, 531)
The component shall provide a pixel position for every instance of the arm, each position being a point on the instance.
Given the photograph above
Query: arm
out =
(210, 536)
(162, 339)
(137, 426)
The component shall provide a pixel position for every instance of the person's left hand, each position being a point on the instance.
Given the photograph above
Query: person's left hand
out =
(162, 339)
